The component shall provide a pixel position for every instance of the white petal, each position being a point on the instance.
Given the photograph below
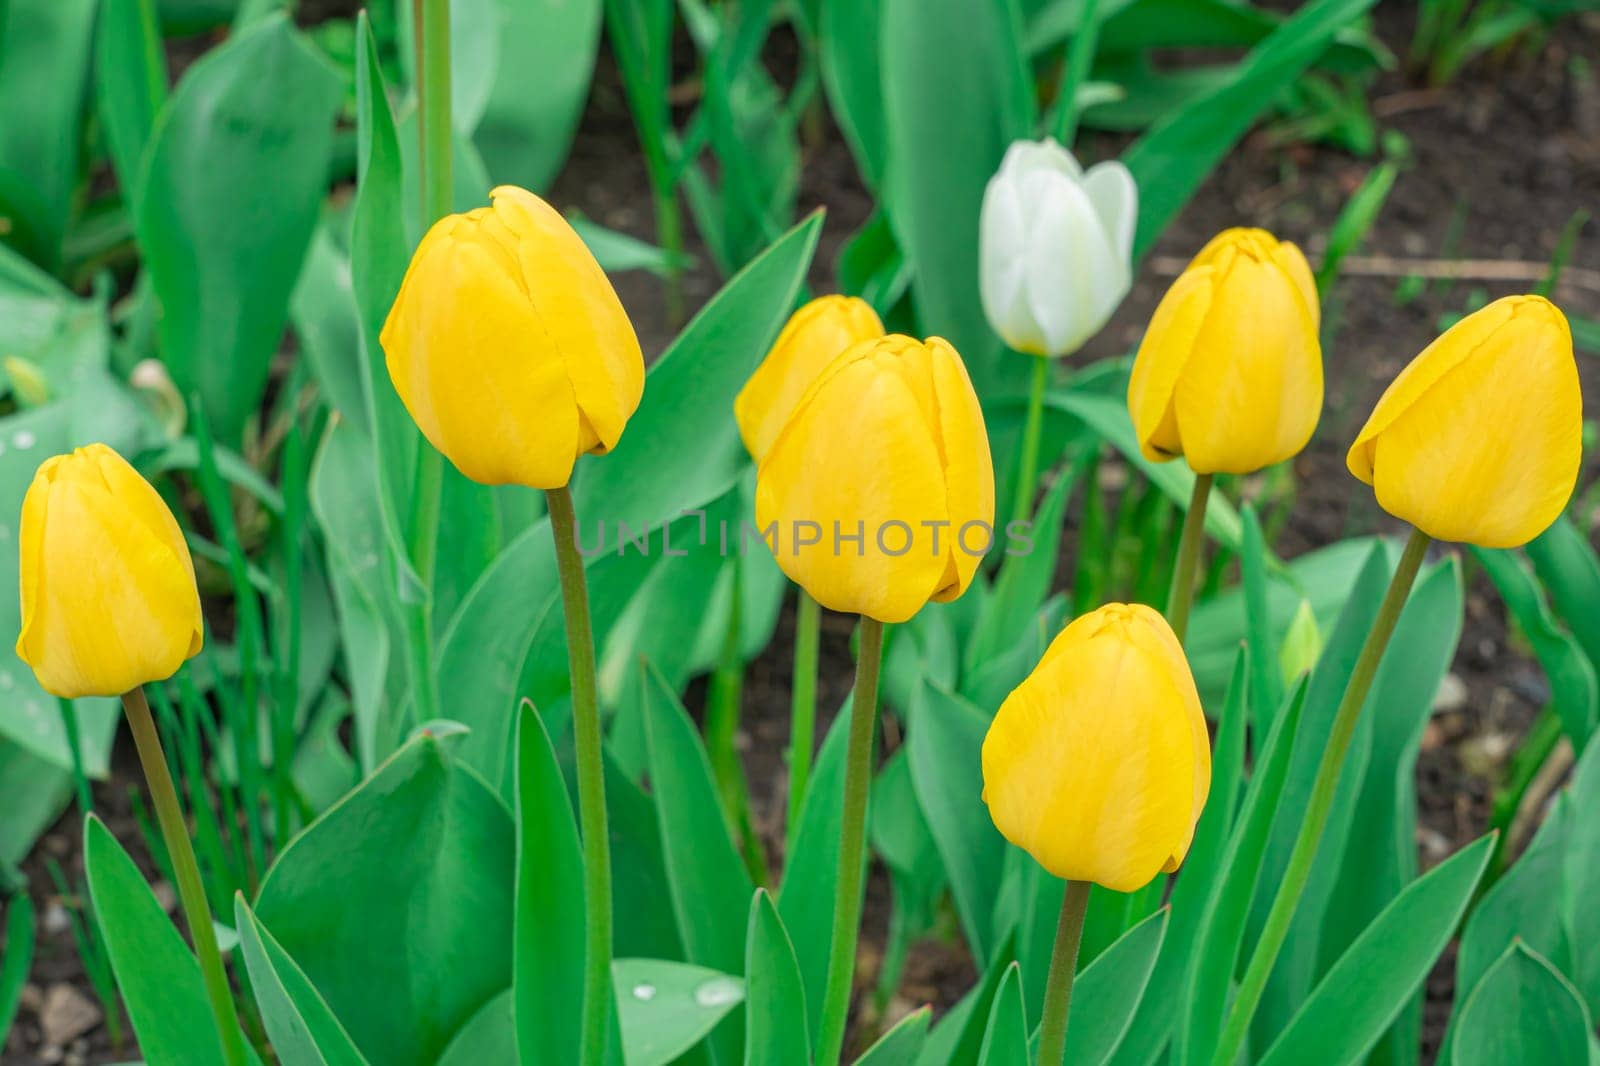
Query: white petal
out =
(1074, 277)
(1002, 243)
(1115, 195)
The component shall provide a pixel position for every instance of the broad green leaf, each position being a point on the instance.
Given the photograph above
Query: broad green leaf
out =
(945, 736)
(1024, 580)
(901, 1045)
(33, 793)
(775, 998)
(705, 874)
(680, 452)
(1570, 570)
(45, 48)
(297, 1019)
(546, 56)
(17, 959)
(1524, 1011)
(1107, 993)
(1005, 1037)
(953, 75)
(958, 1038)
(234, 177)
(850, 51)
(811, 868)
(159, 979)
(548, 951)
(1109, 418)
(419, 935)
(1171, 160)
(130, 82)
(1266, 682)
(667, 1008)
(1573, 687)
(1581, 881)
(1371, 983)
(489, 1036)
(323, 312)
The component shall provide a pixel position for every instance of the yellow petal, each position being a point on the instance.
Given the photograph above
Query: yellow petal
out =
(1250, 393)
(1489, 452)
(1090, 765)
(1292, 261)
(969, 468)
(1163, 352)
(814, 336)
(858, 451)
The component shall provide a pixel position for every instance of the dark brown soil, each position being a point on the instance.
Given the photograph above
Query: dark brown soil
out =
(1498, 163)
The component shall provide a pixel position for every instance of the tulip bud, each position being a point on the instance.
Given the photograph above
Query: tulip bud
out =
(1099, 763)
(1055, 247)
(1480, 438)
(814, 336)
(509, 347)
(1229, 375)
(108, 594)
(878, 493)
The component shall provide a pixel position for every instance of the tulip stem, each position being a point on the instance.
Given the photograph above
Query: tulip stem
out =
(1063, 967)
(1080, 56)
(191, 890)
(1323, 789)
(1181, 595)
(1028, 472)
(802, 705)
(852, 842)
(591, 780)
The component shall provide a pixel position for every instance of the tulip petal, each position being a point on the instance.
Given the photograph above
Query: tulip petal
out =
(1292, 261)
(1441, 466)
(93, 568)
(860, 451)
(1257, 341)
(581, 314)
(1165, 350)
(968, 467)
(30, 540)
(1089, 766)
(1115, 195)
(1003, 265)
(1075, 278)
(140, 499)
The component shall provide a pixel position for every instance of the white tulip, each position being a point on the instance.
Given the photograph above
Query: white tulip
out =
(1055, 247)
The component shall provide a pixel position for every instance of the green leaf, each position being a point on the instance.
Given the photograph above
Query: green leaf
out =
(1107, 993)
(776, 1031)
(1171, 160)
(1573, 687)
(419, 934)
(1371, 983)
(850, 48)
(130, 82)
(705, 875)
(302, 1028)
(548, 951)
(45, 49)
(1523, 1011)
(17, 959)
(547, 54)
(811, 869)
(235, 174)
(901, 1045)
(1024, 580)
(680, 452)
(1266, 682)
(489, 1036)
(945, 737)
(1582, 878)
(953, 75)
(1005, 1037)
(159, 980)
(958, 1038)
(1570, 570)
(1109, 418)
(668, 1007)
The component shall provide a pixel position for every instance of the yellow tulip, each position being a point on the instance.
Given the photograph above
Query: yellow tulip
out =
(813, 337)
(1099, 763)
(1229, 374)
(509, 347)
(878, 493)
(1479, 439)
(108, 594)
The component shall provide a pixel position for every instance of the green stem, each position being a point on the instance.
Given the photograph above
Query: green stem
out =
(1181, 595)
(669, 234)
(432, 35)
(1298, 870)
(1080, 57)
(591, 779)
(852, 842)
(724, 700)
(80, 779)
(191, 891)
(1028, 472)
(802, 705)
(1063, 967)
